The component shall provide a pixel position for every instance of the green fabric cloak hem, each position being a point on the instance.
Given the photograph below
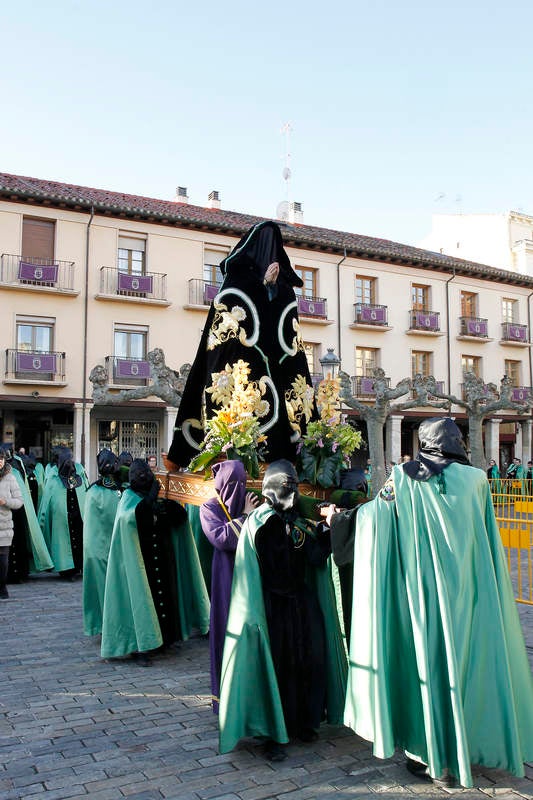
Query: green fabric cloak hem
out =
(100, 509)
(39, 476)
(437, 660)
(203, 545)
(130, 622)
(193, 598)
(40, 557)
(53, 518)
(250, 703)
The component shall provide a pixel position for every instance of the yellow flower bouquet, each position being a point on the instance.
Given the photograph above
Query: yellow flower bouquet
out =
(234, 429)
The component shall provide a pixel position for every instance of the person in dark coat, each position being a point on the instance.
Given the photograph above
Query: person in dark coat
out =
(154, 592)
(222, 518)
(294, 617)
(253, 318)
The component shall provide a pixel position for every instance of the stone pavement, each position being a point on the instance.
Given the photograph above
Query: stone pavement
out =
(74, 726)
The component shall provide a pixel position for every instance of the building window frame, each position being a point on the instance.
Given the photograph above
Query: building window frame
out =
(309, 276)
(366, 361)
(421, 363)
(420, 297)
(365, 290)
(131, 253)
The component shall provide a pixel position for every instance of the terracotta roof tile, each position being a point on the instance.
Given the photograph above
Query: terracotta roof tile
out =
(22, 188)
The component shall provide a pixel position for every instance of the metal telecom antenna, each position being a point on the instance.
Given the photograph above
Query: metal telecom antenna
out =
(282, 211)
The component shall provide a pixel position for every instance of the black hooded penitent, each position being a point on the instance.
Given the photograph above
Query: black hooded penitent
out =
(263, 330)
(441, 444)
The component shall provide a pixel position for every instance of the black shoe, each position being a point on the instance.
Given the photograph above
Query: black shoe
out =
(142, 659)
(417, 768)
(445, 781)
(421, 770)
(308, 735)
(275, 752)
(4, 594)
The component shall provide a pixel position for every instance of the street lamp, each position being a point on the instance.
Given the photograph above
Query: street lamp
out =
(330, 365)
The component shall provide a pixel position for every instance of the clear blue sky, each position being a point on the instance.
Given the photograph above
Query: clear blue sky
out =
(392, 104)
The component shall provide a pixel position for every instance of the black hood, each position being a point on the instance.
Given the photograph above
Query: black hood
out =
(107, 462)
(280, 486)
(141, 476)
(441, 444)
(259, 248)
(66, 469)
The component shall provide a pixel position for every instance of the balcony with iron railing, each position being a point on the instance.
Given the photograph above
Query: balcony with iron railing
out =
(34, 366)
(424, 321)
(123, 371)
(371, 314)
(512, 333)
(488, 393)
(202, 293)
(36, 274)
(439, 387)
(363, 387)
(474, 327)
(150, 287)
(312, 307)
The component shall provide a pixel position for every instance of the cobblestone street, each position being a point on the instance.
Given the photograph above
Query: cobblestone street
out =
(75, 726)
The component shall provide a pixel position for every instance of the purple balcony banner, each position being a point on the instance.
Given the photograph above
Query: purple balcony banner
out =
(135, 283)
(311, 308)
(517, 333)
(476, 327)
(43, 273)
(36, 362)
(429, 321)
(520, 394)
(210, 292)
(367, 385)
(373, 314)
(130, 368)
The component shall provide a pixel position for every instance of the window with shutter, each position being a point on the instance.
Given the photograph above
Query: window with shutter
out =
(38, 237)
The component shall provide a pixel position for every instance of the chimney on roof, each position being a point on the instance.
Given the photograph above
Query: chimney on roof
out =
(181, 195)
(296, 214)
(214, 199)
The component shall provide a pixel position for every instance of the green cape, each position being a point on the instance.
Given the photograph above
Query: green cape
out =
(130, 622)
(203, 545)
(437, 659)
(53, 518)
(250, 703)
(100, 509)
(40, 557)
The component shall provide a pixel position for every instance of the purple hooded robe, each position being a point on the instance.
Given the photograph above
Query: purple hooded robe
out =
(230, 485)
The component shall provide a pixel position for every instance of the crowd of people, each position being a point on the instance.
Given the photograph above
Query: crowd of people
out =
(394, 616)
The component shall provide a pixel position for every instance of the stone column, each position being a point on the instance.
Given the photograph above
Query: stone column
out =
(393, 437)
(169, 421)
(526, 426)
(492, 439)
(82, 435)
(518, 442)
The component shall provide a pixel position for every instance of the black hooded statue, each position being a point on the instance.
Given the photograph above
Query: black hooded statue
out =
(254, 317)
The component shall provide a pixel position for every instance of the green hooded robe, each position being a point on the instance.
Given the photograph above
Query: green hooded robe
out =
(101, 505)
(53, 517)
(130, 622)
(40, 557)
(250, 703)
(437, 661)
